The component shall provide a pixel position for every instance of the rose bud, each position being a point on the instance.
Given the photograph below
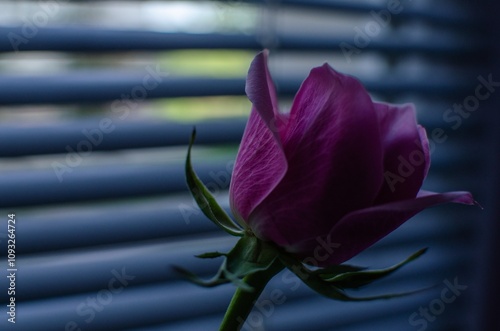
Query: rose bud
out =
(335, 174)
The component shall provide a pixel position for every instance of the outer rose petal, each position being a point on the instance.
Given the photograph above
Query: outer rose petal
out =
(261, 162)
(262, 93)
(362, 228)
(332, 144)
(426, 149)
(406, 152)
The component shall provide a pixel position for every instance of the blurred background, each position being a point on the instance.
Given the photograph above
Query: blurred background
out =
(97, 103)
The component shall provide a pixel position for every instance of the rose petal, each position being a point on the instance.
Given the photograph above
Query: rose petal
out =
(426, 149)
(260, 163)
(362, 228)
(406, 152)
(334, 154)
(261, 92)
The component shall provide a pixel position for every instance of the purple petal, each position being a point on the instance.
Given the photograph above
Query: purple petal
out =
(361, 229)
(426, 149)
(406, 152)
(261, 162)
(334, 154)
(262, 93)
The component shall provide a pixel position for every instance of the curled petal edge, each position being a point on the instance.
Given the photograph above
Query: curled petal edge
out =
(362, 228)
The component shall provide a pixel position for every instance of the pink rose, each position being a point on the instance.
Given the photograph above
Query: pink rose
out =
(333, 176)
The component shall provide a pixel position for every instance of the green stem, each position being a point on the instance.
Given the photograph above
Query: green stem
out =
(243, 301)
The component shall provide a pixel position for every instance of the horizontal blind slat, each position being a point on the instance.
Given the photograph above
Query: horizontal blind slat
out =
(109, 133)
(94, 87)
(80, 39)
(441, 15)
(95, 183)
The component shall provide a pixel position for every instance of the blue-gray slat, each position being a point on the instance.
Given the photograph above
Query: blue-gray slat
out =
(114, 223)
(84, 39)
(54, 138)
(179, 303)
(456, 17)
(94, 86)
(92, 183)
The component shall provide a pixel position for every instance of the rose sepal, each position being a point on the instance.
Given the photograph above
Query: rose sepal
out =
(211, 255)
(357, 279)
(335, 270)
(205, 200)
(250, 255)
(332, 285)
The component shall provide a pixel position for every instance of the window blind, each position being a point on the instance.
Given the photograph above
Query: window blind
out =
(93, 140)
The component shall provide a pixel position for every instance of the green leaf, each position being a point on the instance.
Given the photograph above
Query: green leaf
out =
(210, 255)
(206, 200)
(356, 279)
(318, 284)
